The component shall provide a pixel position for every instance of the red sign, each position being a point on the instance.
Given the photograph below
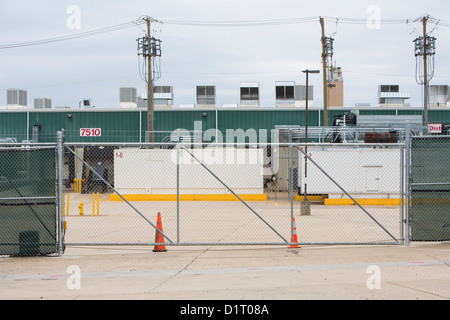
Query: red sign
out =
(90, 132)
(435, 128)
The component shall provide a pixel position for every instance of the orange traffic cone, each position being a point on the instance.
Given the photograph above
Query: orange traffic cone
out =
(159, 238)
(294, 237)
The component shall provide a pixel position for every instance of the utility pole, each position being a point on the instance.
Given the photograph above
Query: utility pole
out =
(149, 86)
(425, 75)
(324, 63)
(149, 47)
(425, 48)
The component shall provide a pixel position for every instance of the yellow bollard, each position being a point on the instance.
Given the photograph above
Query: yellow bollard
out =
(77, 185)
(98, 204)
(68, 200)
(81, 207)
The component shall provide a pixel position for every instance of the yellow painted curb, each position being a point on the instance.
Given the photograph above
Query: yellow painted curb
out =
(189, 197)
(310, 198)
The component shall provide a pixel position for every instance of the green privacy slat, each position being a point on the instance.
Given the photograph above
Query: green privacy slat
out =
(27, 222)
(430, 200)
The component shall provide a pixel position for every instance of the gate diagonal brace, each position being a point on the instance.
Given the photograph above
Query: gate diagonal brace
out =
(218, 179)
(109, 185)
(343, 190)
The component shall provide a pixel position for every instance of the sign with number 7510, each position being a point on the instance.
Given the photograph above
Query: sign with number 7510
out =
(92, 132)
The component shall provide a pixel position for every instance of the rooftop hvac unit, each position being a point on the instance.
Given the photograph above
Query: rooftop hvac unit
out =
(249, 93)
(42, 103)
(163, 96)
(16, 97)
(128, 97)
(206, 96)
(300, 93)
(300, 96)
(284, 93)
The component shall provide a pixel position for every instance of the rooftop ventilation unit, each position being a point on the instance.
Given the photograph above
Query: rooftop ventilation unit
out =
(16, 97)
(391, 95)
(206, 96)
(128, 97)
(285, 93)
(42, 103)
(163, 96)
(300, 96)
(249, 94)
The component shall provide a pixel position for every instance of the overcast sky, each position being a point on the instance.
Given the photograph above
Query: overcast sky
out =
(96, 67)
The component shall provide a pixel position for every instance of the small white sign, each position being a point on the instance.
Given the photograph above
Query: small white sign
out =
(435, 128)
(90, 132)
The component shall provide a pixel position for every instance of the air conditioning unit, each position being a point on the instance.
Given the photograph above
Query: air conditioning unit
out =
(128, 97)
(206, 96)
(42, 103)
(16, 97)
(249, 93)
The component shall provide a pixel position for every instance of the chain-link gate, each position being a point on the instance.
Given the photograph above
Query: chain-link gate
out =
(232, 195)
(119, 190)
(430, 188)
(29, 216)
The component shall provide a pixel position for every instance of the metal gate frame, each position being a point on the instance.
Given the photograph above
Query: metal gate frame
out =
(410, 183)
(176, 242)
(57, 198)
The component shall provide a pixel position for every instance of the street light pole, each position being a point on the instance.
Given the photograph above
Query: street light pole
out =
(305, 205)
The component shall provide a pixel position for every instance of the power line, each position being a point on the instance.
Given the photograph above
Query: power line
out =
(241, 23)
(250, 23)
(225, 23)
(75, 36)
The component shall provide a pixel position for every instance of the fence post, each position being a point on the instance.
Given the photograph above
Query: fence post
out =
(291, 182)
(408, 182)
(178, 189)
(60, 160)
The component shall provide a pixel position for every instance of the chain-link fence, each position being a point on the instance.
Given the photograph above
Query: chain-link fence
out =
(226, 195)
(430, 188)
(222, 194)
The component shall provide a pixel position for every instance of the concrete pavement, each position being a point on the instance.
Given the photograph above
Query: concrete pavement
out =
(421, 271)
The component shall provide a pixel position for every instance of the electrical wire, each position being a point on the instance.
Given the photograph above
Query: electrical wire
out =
(226, 23)
(75, 36)
(242, 23)
(251, 23)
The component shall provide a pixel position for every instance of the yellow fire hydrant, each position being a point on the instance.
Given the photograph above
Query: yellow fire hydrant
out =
(81, 207)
